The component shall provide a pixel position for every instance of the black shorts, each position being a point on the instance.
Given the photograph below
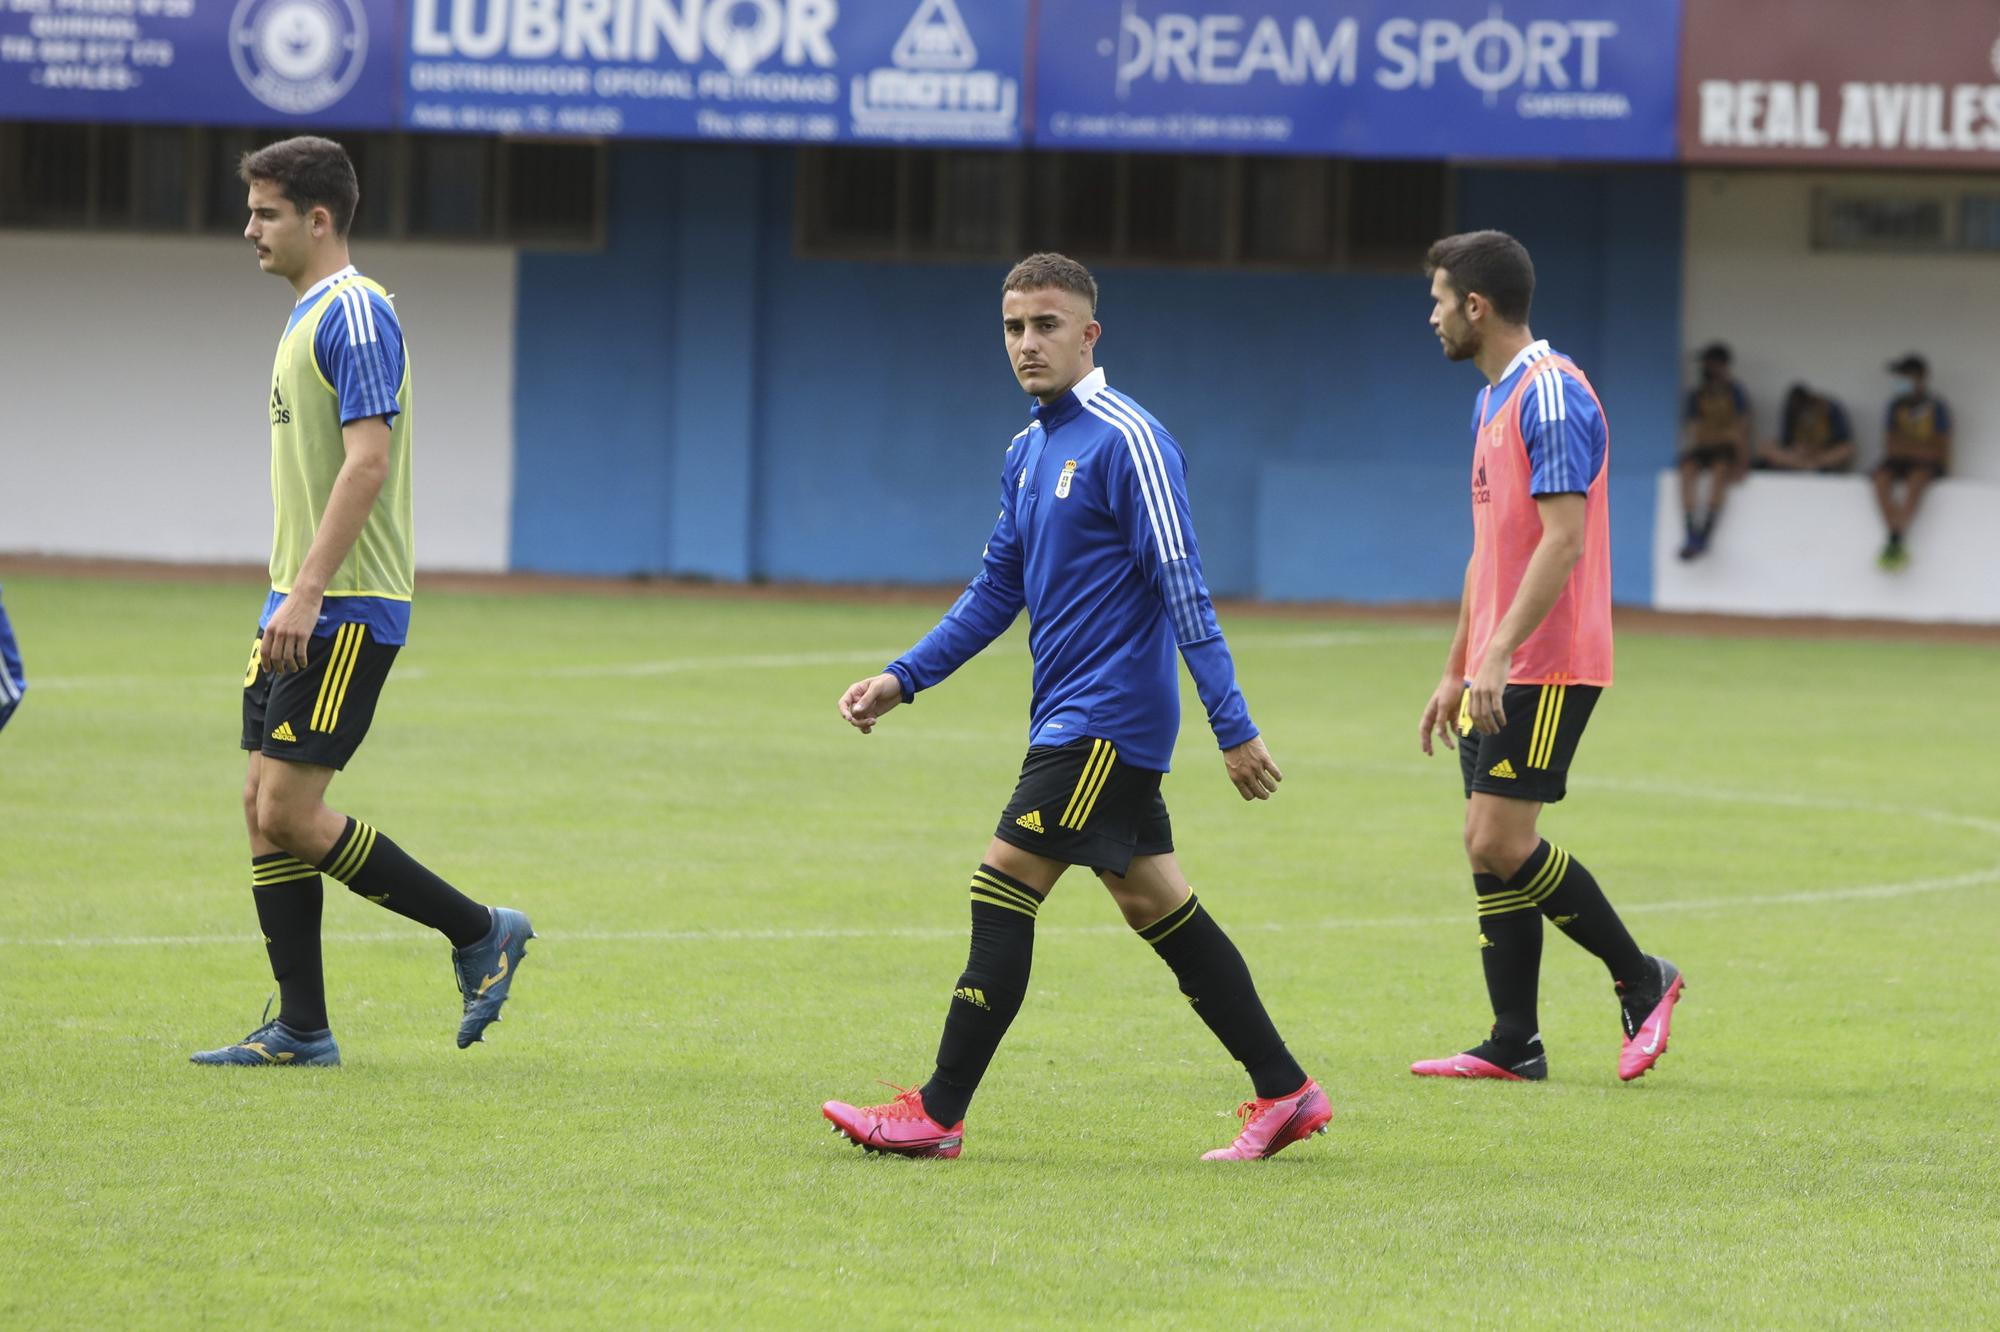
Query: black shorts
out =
(320, 714)
(1902, 469)
(1710, 455)
(1529, 758)
(1078, 804)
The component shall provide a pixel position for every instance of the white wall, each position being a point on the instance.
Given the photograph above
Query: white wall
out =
(1806, 545)
(134, 377)
(1835, 320)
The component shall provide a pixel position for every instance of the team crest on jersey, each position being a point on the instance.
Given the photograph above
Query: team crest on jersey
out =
(1068, 474)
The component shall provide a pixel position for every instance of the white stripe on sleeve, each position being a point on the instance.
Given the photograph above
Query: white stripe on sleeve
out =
(1139, 471)
(1150, 452)
(347, 313)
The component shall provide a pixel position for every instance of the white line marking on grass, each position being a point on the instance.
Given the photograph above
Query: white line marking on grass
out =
(1803, 897)
(742, 662)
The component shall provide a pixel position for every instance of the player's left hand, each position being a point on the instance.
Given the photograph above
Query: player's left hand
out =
(1252, 769)
(1487, 709)
(290, 631)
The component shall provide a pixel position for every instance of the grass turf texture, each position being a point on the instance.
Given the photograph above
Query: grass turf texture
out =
(746, 909)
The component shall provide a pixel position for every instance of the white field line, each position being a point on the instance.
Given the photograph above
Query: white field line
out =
(1802, 897)
(1864, 892)
(740, 662)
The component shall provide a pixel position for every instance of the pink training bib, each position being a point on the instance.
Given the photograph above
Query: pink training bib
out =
(1573, 644)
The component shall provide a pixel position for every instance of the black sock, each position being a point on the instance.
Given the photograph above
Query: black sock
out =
(989, 990)
(1216, 980)
(1570, 897)
(379, 870)
(288, 896)
(1510, 952)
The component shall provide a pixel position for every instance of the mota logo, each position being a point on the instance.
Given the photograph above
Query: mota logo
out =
(933, 87)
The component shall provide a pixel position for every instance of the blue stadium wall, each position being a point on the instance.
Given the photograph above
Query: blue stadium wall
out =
(694, 399)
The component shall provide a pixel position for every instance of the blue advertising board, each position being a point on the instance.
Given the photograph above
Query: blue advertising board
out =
(1570, 79)
(885, 71)
(201, 62)
(1589, 80)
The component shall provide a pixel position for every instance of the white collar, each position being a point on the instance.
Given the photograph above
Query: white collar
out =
(1534, 351)
(328, 281)
(1089, 386)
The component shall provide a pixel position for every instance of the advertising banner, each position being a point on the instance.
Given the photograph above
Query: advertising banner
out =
(201, 62)
(812, 71)
(1842, 83)
(1571, 79)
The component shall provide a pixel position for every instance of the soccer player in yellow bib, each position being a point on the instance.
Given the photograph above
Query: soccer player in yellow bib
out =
(342, 573)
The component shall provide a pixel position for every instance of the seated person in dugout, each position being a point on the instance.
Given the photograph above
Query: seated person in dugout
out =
(1917, 451)
(1813, 436)
(1715, 444)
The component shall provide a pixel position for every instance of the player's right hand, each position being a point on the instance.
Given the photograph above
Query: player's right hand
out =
(866, 700)
(1441, 714)
(288, 633)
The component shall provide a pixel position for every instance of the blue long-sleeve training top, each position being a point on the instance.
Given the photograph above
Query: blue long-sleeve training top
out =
(1095, 540)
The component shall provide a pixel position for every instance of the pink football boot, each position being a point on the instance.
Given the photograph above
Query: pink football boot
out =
(1646, 1038)
(901, 1126)
(1271, 1125)
(1469, 1065)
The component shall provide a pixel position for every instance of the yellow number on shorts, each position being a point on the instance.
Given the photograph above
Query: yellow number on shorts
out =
(250, 672)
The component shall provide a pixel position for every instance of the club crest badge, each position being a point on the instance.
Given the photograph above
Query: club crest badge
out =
(298, 56)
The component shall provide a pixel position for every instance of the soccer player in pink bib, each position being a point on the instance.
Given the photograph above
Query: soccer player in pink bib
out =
(1531, 656)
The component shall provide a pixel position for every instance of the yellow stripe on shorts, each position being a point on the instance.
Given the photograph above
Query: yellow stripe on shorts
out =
(329, 676)
(339, 671)
(1542, 749)
(1096, 771)
(346, 675)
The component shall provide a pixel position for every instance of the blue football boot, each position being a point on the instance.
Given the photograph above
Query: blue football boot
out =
(275, 1045)
(486, 971)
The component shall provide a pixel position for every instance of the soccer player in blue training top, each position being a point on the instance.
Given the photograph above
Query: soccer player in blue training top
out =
(342, 571)
(1096, 542)
(13, 679)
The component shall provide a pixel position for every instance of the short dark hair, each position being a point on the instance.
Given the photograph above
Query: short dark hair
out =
(1048, 269)
(1491, 263)
(310, 171)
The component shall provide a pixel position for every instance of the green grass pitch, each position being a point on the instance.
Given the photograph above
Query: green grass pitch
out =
(746, 909)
